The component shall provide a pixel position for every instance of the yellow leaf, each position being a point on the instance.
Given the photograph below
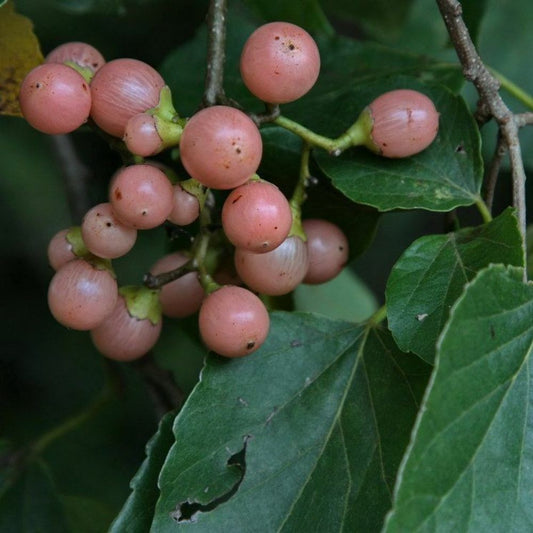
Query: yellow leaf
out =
(19, 53)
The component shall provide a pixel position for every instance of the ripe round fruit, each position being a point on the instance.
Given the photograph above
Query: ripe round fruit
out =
(233, 321)
(82, 54)
(183, 296)
(55, 99)
(405, 122)
(141, 196)
(221, 147)
(121, 89)
(141, 136)
(81, 296)
(256, 216)
(280, 62)
(328, 250)
(123, 337)
(276, 272)
(104, 235)
(60, 250)
(186, 208)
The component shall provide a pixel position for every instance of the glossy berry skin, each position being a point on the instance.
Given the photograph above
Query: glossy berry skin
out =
(276, 272)
(105, 235)
(82, 54)
(141, 196)
(60, 250)
(233, 321)
(121, 89)
(405, 122)
(81, 296)
(186, 207)
(141, 136)
(256, 216)
(183, 296)
(280, 62)
(328, 250)
(221, 147)
(55, 99)
(123, 337)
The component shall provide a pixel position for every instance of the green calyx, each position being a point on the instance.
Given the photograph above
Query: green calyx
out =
(75, 240)
(86, 73)
(142, 303)
(195, 188)
(100, 264)
(359, 133)
(168, 123)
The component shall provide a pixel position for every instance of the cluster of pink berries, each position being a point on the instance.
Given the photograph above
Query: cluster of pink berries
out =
(220, 148)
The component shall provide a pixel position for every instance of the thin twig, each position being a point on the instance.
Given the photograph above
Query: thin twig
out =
(216, 56)
(493, 171)
(490, 103)
(76, 176)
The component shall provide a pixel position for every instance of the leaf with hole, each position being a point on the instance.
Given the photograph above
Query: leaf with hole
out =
(306, 433)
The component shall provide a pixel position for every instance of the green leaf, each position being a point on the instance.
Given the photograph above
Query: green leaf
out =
(85, 515)
(138, 511)
(469, 464)
(379, 18)
(473, 12)
(31, 503)
(444, 176)
(431, 274)
(306, 13)
(345, 297)
(305, 434)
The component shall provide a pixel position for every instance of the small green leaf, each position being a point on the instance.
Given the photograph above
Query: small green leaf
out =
(431, 274)
(444, 176)
(469, 465)
(345, 297)
(31, 503)
(138, 511)
(305, 434)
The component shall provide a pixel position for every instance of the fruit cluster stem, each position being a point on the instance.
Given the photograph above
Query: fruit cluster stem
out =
(216, 56)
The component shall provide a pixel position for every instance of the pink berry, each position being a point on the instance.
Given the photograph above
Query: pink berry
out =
(81, 296)
(280, 62)
(141, 196)
(123, 337)
(221, 147)
(183, 296)
(104, 235)
(141, 136)
(276, 272)
(82, 54)
(328, 250)
(55, 99)
(405, 122)
(256, 216)
(121, 89)
(233, 321)
(186, 207)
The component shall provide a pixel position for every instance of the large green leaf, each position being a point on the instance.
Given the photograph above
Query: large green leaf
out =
(431, 274)
(469, 465)
(307, 433)
(31, 503)
(137, 513)
(444, 176)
